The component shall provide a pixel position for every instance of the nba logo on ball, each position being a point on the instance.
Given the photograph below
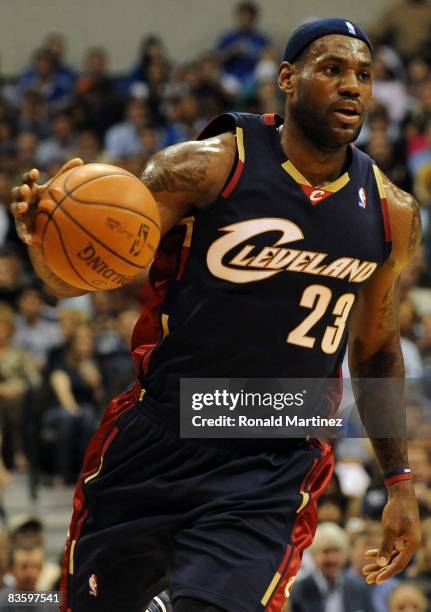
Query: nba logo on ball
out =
(362, 198)
(351, 28)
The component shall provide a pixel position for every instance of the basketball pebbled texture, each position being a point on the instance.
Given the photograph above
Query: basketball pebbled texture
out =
(98, 226)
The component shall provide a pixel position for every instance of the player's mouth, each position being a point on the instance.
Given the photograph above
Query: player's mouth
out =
(348, 114)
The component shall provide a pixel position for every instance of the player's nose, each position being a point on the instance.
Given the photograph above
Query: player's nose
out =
(349, 84)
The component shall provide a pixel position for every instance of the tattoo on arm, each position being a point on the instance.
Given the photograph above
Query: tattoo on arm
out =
(181, 171)
(388, 311)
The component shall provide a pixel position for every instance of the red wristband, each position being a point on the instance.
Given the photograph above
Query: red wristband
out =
(395, 476)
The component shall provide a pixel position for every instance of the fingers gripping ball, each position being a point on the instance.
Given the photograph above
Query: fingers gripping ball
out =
(98, 226)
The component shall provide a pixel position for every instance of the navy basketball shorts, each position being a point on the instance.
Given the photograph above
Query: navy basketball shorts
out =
(154, 511)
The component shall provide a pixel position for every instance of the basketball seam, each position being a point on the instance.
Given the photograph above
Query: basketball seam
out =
(69, 260)
(69, 193)
(79, 201)
(87, 231)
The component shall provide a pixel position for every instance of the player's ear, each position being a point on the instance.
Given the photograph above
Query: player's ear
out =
(286, 77)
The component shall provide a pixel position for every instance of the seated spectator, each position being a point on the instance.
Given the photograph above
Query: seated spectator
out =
(88, 147)
(369, 536)
(117, 367)
(42, 77)
(12, 277)
(98, 105)
(388, 87)
(30, 527)
(25, 566)
(33, 115)
(18, 376)
(151, 51)
(421, 570)
(33, 332)
(26, 147)
(69, 319)
(78, 396)
(406, 24)
(241, 48)
(329, 587)
(407, 598)
(61, 146)
(122, 140)
(420, 463)
(54, 42)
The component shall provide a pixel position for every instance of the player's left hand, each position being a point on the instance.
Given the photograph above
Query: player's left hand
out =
(401, 535)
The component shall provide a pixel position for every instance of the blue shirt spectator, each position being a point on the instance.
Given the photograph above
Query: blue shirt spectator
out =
(240, 49)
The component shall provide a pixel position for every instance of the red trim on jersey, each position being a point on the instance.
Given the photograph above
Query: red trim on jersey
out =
(315, 482)
(387, 224)
(234, 180)
(98, 446)
(269, 119)
(168, 264)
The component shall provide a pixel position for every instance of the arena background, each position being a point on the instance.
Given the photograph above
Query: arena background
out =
(73, 354)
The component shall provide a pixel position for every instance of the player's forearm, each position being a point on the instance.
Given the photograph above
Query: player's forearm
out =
(58, 287)
(378, 383)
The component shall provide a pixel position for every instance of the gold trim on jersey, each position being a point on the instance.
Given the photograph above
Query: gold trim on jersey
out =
(270, 590)
(379, 181)
(301, 180)
(240, 143)
(165, 325)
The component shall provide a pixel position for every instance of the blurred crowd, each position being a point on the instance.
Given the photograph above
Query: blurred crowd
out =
(61, 361)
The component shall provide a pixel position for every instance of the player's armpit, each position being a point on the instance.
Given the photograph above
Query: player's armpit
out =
(189, 174)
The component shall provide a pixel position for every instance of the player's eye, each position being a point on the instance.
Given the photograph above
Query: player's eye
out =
(364, 76)
(332, 70)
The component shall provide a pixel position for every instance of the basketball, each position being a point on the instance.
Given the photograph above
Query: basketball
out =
(98, 226)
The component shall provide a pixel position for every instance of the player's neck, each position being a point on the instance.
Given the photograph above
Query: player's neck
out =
(317, 166)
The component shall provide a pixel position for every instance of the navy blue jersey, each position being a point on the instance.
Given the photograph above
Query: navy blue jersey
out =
(262, 282)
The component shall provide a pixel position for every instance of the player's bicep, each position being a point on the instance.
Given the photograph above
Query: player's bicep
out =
(189, 174)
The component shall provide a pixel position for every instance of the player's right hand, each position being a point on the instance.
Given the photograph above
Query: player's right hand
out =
(25, 200)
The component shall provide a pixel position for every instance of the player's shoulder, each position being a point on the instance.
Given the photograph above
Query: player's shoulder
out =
(405, 221)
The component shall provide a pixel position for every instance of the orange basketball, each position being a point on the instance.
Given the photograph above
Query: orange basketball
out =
(98, 226)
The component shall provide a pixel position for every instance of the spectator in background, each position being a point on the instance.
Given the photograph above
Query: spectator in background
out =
(78, 395)
(26, 147)
(12, 278)
(54, 42)
(42, 77)
(388, 86)
(25, 565)
(29, 527)
(33, 115)
(406, 25)
(420, 462)
(61, 146)
(329, 588)
(88, 147)
(18, 377)
(407, 598)
(241, 48)
(152, 51)
(117, 368)
(421, 570)
(369, 536)
(122, 140)
(98, 105)
(33, 332)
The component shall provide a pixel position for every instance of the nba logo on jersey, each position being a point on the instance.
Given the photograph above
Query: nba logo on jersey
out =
(351, 28)
(362, 197)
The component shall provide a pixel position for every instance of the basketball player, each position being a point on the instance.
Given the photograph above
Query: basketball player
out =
(279, 238)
